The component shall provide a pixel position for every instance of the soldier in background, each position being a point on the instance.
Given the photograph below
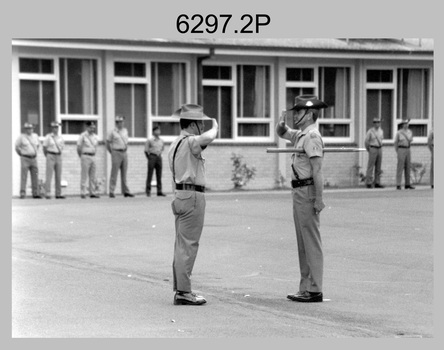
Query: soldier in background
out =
(52, 148)
(403, 139)
(86, 149)
(27, 146)
(373, 144)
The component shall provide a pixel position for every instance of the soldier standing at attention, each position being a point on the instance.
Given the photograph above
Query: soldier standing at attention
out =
(307, 184)
(153, 151)
(430, 145)
(86, 149)
(188, 169)
(117, 145)
(27, 146)
(52, 148)
(373, 144)
(403, 139)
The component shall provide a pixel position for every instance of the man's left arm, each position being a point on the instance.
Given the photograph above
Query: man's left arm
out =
(318, 179)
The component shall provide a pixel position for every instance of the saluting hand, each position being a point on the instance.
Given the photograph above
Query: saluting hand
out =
(282, 118)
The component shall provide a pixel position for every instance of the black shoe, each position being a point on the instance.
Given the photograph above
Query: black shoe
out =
(37, 197)
(293, 296)
(60, 197)
(430, 186)
(398, 187)
(111, 195)
(161, 194)
(188, 299)
(409, 187)
(307, 297)
(369, 186)
(128, 195)
(82, 196)
(94, 196)
(379, 186)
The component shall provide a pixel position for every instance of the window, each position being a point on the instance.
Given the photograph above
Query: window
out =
(401, 91)
(37, 93)
(412, 99)
(131, 96)
(78, 93)
(333, 86)
(334, 90)
(168, 93)
(239, 97)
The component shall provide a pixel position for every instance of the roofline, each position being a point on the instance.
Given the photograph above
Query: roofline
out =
(157, 45)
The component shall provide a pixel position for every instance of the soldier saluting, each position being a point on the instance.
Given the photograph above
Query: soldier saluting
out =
(307, 188)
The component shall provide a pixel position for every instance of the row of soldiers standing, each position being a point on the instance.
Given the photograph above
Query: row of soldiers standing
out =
(27, 146)
(403, 139)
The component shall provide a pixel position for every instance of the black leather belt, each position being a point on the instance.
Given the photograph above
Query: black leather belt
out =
(375, 146)
(190, 187)
(303, 182)
(403, 146)
(120, 150)
(57, 154)
(26, 156)
(89, 154)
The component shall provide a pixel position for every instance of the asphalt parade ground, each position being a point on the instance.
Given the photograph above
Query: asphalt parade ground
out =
(101, 268)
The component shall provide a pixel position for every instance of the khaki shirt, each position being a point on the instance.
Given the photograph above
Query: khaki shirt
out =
(54, 143)
(118, 139)
(87, 142)
(154, 146)
(310, 141)
(189, 165)
(374, 137)
(27, 145)
(403, 138)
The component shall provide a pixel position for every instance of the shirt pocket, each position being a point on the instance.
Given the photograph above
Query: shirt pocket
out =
(183, 202)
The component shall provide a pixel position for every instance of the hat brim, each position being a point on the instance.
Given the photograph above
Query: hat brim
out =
(314, 104)
(404, 122)
(189, 116)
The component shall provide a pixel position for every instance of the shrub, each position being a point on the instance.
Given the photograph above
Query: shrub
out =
(241, 173)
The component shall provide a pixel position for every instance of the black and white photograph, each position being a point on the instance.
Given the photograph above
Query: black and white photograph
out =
(223, 181)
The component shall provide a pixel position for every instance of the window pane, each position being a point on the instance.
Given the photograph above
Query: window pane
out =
(216, 72)
(124, 69)
(123, 104)
(169, 128)
(78, 86)
(413, 93)
(140, 119)
(48, 101)
(300, 74)
(217, 104)
(29, 103)
(334, 130)
(73, 127)
(169, 87)
(293, 92)
(334, 85)
(256, 130)
(379, 105)
(32, 65)
(253, 91)
(418, 130)
(379, 76)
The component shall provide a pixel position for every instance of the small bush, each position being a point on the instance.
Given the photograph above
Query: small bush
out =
(241, 173)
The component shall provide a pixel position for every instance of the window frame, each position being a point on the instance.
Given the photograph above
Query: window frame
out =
(234, 98)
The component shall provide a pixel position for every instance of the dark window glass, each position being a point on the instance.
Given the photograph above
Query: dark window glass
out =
(300, 74)
(124, 69)
(379, 76)
(33, 65)
(216, 72)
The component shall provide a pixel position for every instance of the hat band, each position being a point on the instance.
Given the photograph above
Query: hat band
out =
(191, 114)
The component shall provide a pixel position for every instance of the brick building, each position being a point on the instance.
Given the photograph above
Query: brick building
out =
(244, 83)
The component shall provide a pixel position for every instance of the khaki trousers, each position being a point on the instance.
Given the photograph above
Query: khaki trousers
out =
(29, 164)
(88, 171)
(53, 165)
(403, 166)
(119, 162)
(189, 211)
(374, 163)
(311, 260)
